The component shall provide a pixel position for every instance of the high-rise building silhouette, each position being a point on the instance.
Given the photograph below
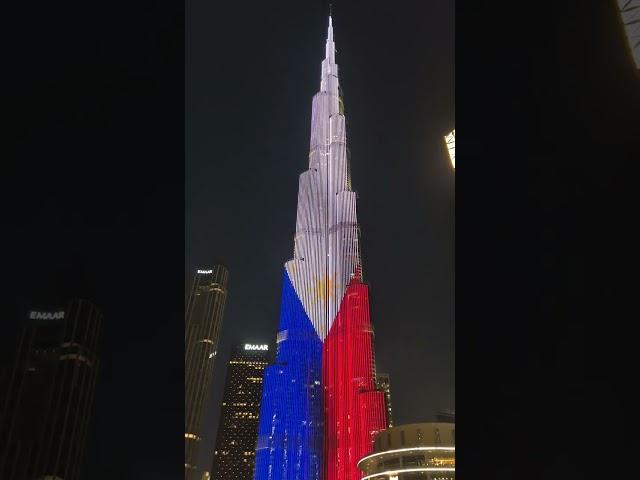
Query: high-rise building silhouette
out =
(47, 406)
(383, 382)
(320, 407)
(203, 322)
(234, 454)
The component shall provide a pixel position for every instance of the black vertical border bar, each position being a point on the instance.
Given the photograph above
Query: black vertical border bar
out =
(92, 203)
(547, 149)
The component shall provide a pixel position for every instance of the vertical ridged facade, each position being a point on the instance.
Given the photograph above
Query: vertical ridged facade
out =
(354, 410)
(203, 323)
(320, 406)
(47, 408)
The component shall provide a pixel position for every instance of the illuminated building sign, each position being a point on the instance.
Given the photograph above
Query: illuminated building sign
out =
(248, 346)
(46, 315)
(204, 272)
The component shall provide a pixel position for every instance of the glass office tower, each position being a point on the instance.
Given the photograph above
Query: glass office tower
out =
(203, 322)
(234, 455)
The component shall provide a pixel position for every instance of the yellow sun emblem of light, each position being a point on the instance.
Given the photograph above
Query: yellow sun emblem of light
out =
(323, 289)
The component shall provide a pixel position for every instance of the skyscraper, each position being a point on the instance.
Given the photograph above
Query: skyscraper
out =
(203, 322)
(234, 455)
(383, 382)
(47, 406)
(320, 407)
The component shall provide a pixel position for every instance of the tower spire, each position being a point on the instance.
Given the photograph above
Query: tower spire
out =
(331, 48)
(329, 67)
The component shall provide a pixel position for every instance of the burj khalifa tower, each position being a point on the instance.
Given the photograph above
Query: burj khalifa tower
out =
(320, 408)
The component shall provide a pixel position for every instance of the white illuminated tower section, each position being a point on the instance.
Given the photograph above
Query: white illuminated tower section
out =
(326, 250)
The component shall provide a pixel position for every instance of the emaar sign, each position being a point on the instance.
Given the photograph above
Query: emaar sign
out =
(46, 315)
(248, 346)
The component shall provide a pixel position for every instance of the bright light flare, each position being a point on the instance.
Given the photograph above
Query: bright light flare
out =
(450, 140)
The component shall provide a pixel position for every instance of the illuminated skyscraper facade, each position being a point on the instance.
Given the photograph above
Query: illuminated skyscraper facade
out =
(234, 455)
(203, 322)
(320, 408)
(47, 403)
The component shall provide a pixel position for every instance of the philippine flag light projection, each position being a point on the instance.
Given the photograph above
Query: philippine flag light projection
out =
(320, 409)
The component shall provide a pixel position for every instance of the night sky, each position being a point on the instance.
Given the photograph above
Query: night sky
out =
(252, 79)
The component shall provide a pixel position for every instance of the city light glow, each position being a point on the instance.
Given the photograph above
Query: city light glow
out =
(384, 475)
(450, 140)
(411, 449)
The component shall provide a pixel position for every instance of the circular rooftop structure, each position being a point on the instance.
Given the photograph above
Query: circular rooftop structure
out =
(418, 451)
